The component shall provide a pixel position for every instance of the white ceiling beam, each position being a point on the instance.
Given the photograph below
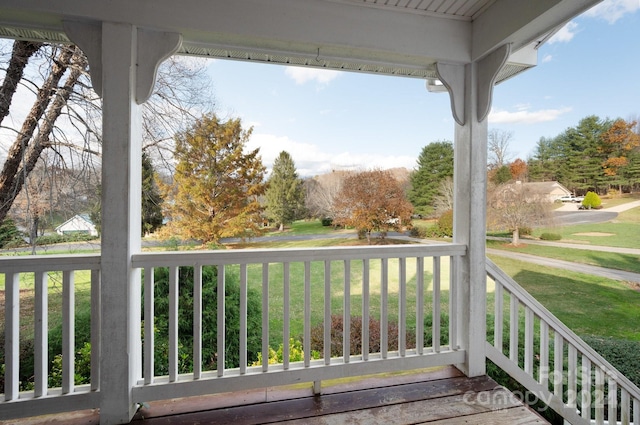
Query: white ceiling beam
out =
(521, 22)
(296, 26)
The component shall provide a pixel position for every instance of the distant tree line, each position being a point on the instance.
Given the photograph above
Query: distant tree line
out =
(596, 155)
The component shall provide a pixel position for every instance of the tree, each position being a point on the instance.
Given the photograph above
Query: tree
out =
(617, 143)
(321, 191)
(152, 217)
(285, 191)
(65, 117)
(518, 169)
(500, 175)
(216, 186)
(435, 164)
(372, 200)
(443, 202)
(514, 207)
(498, 146)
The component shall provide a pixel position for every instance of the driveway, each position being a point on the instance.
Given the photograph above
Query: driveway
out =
(569, 213)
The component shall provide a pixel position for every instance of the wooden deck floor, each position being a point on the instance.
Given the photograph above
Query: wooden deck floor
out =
(435, 397)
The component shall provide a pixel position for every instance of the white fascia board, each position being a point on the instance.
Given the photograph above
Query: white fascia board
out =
(296, 26)
(521, 22)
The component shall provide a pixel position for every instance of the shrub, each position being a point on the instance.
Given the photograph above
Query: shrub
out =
(327, 221)
(209, 320)
(9, 234)
(337, 324)
(592, 200)
(622, 354)
(550, 237)
(445, 223)
(82, 373)
(296, 353)
(525, 231)
(417, 232)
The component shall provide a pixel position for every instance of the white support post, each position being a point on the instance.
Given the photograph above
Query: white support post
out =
(121, 186)
(471, 84)
(123, 62)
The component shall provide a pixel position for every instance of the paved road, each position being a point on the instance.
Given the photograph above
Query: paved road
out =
(570, 214)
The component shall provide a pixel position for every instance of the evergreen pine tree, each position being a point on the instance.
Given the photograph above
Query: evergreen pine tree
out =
(151, 199)
(285, 192)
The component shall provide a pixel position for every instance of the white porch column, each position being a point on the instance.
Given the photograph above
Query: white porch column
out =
(123, 61)
(470, 87)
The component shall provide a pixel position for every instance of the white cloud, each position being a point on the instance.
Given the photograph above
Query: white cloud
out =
(304, 75)
(547, 58)
(612, 10)
(565, 34)
(311, 161)
(523, 116)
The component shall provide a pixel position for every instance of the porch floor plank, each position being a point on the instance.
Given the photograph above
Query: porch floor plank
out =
(434, 397)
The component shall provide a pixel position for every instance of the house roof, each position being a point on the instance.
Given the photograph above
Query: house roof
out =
(83, 217)
(392, 37)
(546, 187)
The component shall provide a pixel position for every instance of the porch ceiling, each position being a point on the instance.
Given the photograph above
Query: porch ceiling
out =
(392, 37)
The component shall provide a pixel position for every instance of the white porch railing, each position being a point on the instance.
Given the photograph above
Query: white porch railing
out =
(562, 370)
(32, 276)
(374, 276)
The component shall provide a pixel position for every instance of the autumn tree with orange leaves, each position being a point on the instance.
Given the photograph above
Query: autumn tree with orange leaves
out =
(372, 201)
(518, 169)
(216, 186)
(617, 143)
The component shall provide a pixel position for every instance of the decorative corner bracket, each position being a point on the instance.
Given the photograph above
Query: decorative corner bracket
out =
(152, 47)
(453, 78)
(88, 36)
(488, 68)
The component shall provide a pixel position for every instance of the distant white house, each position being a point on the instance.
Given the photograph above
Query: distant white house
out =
(77, 224)
(552, 190)
(537, 191)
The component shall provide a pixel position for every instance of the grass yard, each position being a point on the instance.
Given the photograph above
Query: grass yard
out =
(589, 305)
(82, 282)
(611, 260)
(623, 232)
(337, 292)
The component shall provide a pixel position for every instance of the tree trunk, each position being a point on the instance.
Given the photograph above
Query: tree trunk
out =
(281, 227)
(26, 149)
(516, 237)
(20, 55)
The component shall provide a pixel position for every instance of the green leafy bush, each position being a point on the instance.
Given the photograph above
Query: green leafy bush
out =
(327, 221)
(10, 236)
(592, 200)
(550, 237)
(525, 231)
(71, 237)
(296, 353)
(82, 373)
(445, 223)
(209, 320)
(622, 354)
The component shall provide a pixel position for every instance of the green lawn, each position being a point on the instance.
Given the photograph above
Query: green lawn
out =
(589, 305)
(308, 227)
(611, 260)
(337, 290)
(622, 232)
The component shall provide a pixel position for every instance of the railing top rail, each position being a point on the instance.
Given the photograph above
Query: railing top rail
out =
(46, 263)
(554, 323)
(245, 256)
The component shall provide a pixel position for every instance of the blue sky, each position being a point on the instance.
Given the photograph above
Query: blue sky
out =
(328, 119)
